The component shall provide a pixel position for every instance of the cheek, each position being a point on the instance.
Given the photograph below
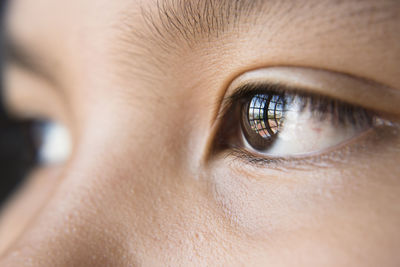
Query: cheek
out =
(262, 207)
(331, 204)
(22, 208)
(332, 216)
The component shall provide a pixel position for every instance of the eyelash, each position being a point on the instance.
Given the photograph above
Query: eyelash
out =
(321, 106)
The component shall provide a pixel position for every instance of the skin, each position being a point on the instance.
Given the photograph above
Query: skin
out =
(145, 185)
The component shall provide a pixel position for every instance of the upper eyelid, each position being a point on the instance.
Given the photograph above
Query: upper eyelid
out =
(248, 91)
(306, 81)
(23, 57)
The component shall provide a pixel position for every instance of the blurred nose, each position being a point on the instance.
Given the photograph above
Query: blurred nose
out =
(99, 205)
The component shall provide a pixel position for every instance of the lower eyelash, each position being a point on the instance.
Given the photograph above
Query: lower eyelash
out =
(382, 132)
(282, 164)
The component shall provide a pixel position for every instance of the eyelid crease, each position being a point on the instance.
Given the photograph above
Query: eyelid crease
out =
(306, 81)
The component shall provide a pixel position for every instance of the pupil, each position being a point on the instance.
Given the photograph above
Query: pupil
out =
(265, 114)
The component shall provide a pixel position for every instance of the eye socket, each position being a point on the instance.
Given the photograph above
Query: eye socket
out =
(274, 122)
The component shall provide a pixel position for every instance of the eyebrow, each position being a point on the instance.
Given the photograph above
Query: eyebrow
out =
(172, 21)
(191, 20)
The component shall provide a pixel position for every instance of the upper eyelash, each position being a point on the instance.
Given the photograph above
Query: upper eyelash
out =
(320, 106)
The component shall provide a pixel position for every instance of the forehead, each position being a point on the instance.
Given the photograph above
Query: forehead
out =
(201, 14)
(147, 29)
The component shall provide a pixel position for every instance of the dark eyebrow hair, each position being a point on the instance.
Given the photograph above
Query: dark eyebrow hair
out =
(174, 21)
(193, 19)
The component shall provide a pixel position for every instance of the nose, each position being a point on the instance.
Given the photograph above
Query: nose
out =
(95, 209)
(79, 224)
(120, 201)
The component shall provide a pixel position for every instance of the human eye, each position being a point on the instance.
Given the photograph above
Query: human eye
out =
(40, 141)
(35, 118)
(31, 139)
(53, 143)
(29, 144)
(272, 122)
(277, 123)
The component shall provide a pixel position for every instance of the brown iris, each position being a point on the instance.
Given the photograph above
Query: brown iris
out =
(262, 119)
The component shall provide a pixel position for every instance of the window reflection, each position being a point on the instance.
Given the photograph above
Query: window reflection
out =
(265, 113)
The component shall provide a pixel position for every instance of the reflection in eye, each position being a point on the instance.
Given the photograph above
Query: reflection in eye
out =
(26, 145)
(280, 124)
(53, 143)
(265, 114)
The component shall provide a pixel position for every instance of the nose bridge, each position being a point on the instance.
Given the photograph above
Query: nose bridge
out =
(77, 227)
(112, 184)
(82, 217)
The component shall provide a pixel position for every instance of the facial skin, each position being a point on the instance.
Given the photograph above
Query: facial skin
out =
(141, 87)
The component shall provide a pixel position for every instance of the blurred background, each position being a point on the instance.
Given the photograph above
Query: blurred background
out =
(17, 146)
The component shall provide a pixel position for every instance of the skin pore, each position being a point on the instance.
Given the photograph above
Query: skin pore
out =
(142, 87)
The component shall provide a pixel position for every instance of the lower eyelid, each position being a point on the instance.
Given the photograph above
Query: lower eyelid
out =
(372, 141)
(336, 85)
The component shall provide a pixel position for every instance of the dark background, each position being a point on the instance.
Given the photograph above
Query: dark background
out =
(17, 153)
